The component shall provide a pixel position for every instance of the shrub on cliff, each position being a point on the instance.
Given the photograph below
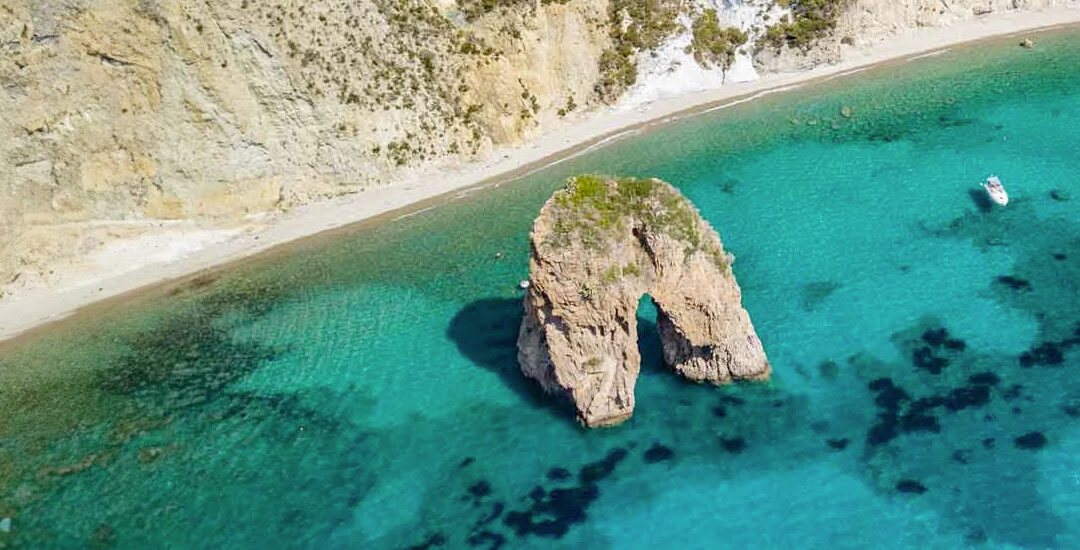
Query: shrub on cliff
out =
(809, 20)
(635, 25)
(714, 44)
(474, 9)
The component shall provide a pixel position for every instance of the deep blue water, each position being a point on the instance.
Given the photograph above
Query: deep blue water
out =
(361, 390)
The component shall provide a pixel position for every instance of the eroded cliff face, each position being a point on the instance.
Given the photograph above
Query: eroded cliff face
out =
(597, 247)
(118, 114)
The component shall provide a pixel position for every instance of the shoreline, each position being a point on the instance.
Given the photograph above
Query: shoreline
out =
(35, 310)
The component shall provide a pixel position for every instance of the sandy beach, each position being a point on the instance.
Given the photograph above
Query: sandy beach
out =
(436, 185)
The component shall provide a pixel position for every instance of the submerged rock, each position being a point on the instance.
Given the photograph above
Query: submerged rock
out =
(838, 444)
(910, 486)
(1030, 441)
(658, 453)
(596, 248)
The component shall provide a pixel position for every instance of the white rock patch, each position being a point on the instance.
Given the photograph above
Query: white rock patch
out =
(671, 70)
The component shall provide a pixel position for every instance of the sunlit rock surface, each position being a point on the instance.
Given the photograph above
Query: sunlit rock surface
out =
(597, 247)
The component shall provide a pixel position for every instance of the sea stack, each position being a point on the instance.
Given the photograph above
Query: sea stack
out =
(598, 245)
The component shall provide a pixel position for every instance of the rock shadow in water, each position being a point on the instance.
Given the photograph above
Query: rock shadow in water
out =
(676, 421)
(486, 332)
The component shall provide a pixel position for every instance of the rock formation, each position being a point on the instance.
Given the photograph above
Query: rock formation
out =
(597, 247)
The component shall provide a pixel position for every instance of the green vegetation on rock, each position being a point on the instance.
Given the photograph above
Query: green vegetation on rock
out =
(615, 273)
(592, 209)
(474, 9)
(714, 44)
(570, 106)
(809, 20)
(635, 25)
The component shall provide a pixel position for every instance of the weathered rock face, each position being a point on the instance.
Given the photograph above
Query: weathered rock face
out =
(597, 247)
(116, 115)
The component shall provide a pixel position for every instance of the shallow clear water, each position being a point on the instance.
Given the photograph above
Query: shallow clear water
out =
(362, 391)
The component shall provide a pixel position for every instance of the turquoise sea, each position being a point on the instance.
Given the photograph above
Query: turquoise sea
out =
(361, 390)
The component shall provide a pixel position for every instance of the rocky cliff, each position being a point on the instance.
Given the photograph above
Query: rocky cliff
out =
(117, 115)
(120, 117)
(597, 247)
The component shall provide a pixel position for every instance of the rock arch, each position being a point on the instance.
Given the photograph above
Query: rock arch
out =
(599, 245)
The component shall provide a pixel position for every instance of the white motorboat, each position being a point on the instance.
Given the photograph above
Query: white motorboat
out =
(996, 190)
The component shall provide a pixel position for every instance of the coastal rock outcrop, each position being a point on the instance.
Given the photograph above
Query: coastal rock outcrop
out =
(597, 247)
